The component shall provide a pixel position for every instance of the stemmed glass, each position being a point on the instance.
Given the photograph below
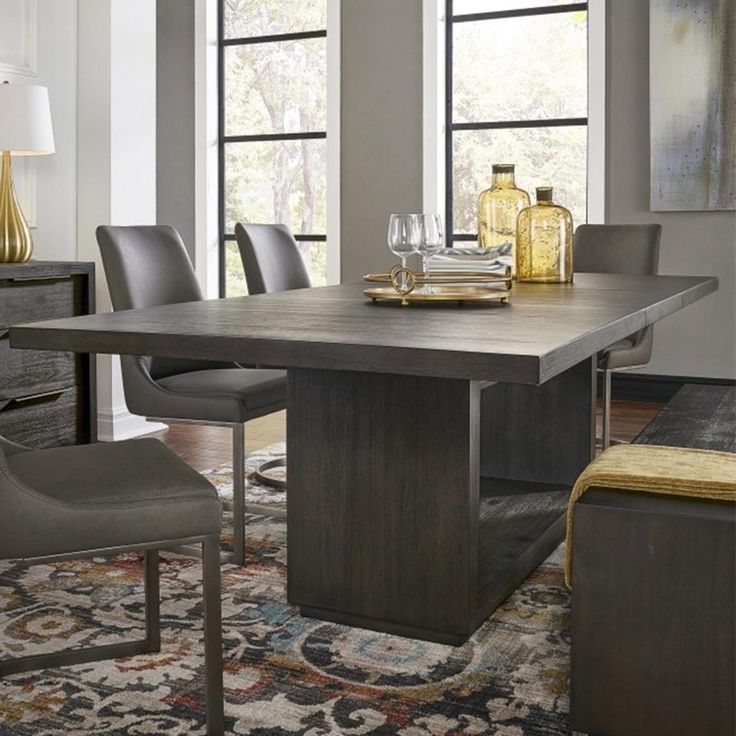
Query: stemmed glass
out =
(404, 236)
(430, 240)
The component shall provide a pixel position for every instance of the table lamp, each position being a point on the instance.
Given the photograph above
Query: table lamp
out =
(25, 130)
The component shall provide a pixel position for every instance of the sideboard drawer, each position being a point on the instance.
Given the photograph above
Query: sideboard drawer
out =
(35, 300)
(24, 372)
(47, 397)
(42, 420)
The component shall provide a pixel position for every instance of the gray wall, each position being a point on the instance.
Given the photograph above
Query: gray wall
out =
(699, 340)
(175, 117)
(381, 130)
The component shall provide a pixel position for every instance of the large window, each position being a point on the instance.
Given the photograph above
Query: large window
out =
(272, 127)
(516, 85)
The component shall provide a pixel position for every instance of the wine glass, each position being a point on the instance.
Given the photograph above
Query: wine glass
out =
(403, 236)
(430, 239)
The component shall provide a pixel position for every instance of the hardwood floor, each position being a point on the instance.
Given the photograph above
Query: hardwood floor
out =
(207, 447)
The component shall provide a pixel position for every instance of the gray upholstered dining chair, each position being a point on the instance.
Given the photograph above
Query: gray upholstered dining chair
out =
(148, 266)
(271, 259)
(272, 262)
(629, 249)
(103, 499)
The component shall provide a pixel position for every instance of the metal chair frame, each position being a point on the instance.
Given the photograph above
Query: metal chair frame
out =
(606, 440)
(152, 643)
(238, 505)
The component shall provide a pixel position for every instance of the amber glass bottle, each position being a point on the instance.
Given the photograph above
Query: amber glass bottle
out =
(499, 207)
(544, 241)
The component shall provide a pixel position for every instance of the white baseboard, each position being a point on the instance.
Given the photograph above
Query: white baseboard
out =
(120, 424)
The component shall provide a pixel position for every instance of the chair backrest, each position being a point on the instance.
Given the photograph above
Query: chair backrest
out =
(148, 266)
(629, 249)
(271, 259)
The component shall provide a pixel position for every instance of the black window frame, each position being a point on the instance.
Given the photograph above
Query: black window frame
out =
(224, 140)
(451, 127)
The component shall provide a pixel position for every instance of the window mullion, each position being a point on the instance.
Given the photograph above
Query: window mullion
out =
(519, 12)
(275, 38)
(452, 127)
(266, 137)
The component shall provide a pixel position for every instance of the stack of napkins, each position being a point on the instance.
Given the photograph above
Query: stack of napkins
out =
(478, 260)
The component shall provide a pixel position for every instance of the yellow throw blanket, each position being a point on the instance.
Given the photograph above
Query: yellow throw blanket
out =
(671, 471)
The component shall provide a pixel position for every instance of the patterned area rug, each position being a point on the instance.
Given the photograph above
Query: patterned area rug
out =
(285, 674)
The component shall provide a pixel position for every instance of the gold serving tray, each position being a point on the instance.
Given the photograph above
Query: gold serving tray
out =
(446, 277)
(458, 294)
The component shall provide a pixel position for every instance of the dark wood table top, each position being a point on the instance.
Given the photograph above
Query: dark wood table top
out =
(544, 330)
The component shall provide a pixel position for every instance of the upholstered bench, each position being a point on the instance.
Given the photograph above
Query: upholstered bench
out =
(654, 594)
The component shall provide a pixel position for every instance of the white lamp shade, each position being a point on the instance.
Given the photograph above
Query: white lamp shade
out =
(25, 120)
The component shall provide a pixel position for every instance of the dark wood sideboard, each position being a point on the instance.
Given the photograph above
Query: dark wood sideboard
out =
(46, 398)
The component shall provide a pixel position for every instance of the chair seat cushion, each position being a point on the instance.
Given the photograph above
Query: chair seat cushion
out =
(226, 395)
(107, 495)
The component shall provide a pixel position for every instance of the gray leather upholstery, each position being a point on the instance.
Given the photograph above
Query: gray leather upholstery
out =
(271, 259)
(149, 266)
(10, 448)
(223, 392)
(629, 249)
(634, 351)
(73, 499)
(236, 395)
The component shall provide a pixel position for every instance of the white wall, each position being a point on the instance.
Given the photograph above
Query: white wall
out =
(98, 59)
(116, 154)
(38, 44)
(56, 191)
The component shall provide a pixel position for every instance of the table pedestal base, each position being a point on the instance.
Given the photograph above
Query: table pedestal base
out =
(417, 505)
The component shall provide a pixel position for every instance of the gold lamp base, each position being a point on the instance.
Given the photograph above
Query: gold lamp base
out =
(16, 245)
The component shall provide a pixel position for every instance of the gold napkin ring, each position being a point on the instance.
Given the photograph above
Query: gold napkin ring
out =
(403, 280)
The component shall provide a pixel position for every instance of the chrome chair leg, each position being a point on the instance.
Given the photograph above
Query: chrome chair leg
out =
(606, 409)
(237, 505)
(239, 494)
(212, 590)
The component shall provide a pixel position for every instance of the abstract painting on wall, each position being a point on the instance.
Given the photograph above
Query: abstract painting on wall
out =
(693, 104)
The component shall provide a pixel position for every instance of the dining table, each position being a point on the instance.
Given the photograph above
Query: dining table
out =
(431, 449)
